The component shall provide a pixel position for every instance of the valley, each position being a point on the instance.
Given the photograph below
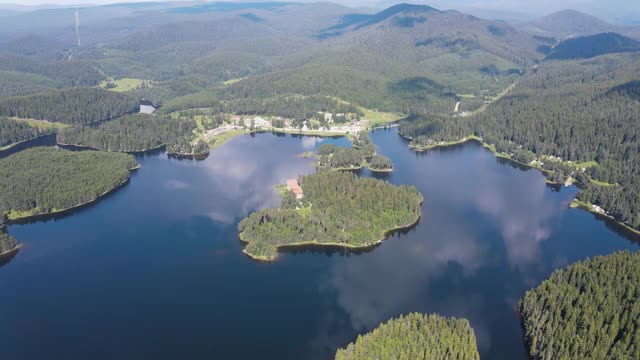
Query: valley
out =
(448, 176)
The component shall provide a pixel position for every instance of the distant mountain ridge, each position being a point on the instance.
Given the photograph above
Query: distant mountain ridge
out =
(358, 21)
(571, 23)
(593, 45)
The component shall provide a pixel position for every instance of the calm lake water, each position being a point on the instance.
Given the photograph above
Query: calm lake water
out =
(156, 270)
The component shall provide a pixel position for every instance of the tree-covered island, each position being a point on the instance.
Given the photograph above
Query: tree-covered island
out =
(415, 337)
(589, 310)
(362, 154)
(45, 180)
(338, 209)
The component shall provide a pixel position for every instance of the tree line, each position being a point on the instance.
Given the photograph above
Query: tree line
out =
(589, 310)
(133, 133)
(415, 337)
(70, 106)
(13, 131)
(44, 179)
(339, 157)
(337, 208)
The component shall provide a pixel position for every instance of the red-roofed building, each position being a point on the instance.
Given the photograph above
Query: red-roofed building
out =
(294, 187)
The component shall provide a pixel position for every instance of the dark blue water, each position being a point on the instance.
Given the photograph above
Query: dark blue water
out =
(156, 270)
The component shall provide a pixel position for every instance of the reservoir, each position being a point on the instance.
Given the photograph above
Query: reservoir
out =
(156, 270)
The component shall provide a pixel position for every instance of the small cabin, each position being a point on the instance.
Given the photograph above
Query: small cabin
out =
(294, 187)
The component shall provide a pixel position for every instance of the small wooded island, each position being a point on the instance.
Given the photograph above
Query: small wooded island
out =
(331, 156)
(337, 209)
(415, 337)
(46, 180)
(589, 310)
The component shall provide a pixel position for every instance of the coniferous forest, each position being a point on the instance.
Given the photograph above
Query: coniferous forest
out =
(589, 310)
(13, 131)
(560, 94)
(42, 180)
(415, 337)
(579, 111)
(70, 106)
(338, 208)
(131, 133)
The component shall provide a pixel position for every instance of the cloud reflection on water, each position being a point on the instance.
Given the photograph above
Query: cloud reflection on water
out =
(243, 178)
(437, 266)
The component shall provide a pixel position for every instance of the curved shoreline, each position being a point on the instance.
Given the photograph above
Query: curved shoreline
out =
(62, 212)
(587, 206)
(499, 155)
(385, 236)
(11, 252)
(380, 170)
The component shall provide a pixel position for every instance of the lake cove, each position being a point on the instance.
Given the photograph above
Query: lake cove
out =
(156, 269)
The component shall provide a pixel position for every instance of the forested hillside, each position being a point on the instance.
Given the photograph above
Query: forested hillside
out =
(591, 46)
(338, 208)
(131, 133)
(415, 337)
(588, 311)
(43, 180)
(578, 110)
(70, 106)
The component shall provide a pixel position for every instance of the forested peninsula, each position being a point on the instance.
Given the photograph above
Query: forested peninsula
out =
(45, 180)
(338, 209)
(415, 337)
(136, 133)
(7, 243)
(589, 310)
(70, 106)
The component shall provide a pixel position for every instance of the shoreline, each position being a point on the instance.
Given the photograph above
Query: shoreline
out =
(380, 170)
(587, 206)
(499, 155)
(54, 213)
(488, 147)
(385, 236)
(11, 252)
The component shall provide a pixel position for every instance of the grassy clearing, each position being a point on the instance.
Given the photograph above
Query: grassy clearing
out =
(41, 124)
(379, 118)
(233, 81)
(220, 139)
(124, 84)
(586, 164)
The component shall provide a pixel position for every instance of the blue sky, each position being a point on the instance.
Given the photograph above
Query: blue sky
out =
(606, 9)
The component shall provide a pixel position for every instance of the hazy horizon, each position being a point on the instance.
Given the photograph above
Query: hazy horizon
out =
(616, 11)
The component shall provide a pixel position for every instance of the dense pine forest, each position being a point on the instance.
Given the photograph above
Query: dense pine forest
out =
(42, 180)
(132, 133)
(338, 208)
(589, 310)
(415, 337)
(331, 156)
(339, 157)
(13, 131)
(70, 106)
(380, 163)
